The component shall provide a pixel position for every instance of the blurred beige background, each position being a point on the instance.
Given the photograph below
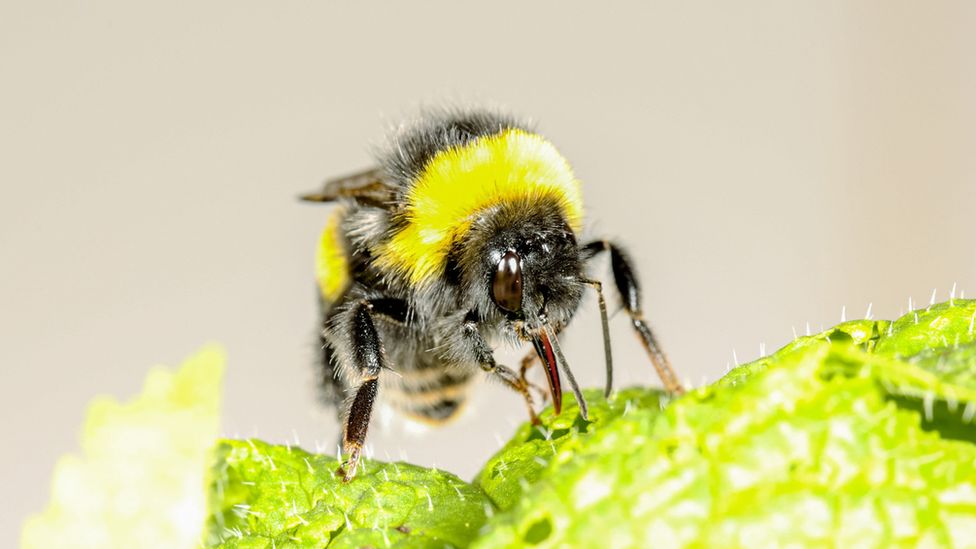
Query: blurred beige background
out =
(770, 163)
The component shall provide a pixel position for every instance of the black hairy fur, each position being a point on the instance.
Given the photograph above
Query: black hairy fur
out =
(412, 145)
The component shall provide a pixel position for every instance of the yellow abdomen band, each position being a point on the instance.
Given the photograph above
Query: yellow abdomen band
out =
(331, 264)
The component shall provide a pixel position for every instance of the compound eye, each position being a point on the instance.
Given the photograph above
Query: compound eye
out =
(506, 285)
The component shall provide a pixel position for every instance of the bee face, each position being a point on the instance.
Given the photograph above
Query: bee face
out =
(528, 268)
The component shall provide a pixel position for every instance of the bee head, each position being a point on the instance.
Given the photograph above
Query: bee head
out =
(522, 265)
(522, 272)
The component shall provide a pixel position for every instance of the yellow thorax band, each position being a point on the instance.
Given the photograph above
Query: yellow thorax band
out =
(459, 183)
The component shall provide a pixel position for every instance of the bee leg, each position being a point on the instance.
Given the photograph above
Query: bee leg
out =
(486, 359)
(369, 359)
(510, 378)
(625, 279)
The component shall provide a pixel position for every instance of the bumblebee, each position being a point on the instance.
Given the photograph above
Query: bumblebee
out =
(466, 234)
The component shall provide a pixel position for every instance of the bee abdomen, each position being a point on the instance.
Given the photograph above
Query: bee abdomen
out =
(438, 413)
(432, 396)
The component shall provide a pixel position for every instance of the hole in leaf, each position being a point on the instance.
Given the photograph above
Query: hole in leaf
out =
(536, 434)
(559, 433)
(581, 424)
(538, 532)
(840, 336)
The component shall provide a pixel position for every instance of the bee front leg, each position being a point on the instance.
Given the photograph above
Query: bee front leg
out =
(368, 360)
(486, 359)
(625, 279)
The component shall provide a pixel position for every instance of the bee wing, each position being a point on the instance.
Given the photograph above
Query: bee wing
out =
(368, 187)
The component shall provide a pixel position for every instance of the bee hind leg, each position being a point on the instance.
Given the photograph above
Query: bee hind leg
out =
(625, 279)
(369, 359)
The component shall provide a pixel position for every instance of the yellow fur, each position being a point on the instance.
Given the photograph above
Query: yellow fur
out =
(459, 183)
(331, 265)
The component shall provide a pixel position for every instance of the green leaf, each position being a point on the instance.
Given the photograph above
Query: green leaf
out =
(863, 334)
(140, 479)
(937, 374)
(277, 496)
(820, 443)
(950, 364)
(537, 448)
(946, 324)
(862, 435)
(939, 335)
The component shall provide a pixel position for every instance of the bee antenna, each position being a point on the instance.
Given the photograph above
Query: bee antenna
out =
(598, 286)
(551, 334)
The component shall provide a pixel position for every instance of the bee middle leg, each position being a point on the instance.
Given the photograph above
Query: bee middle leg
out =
(369, 360)
(486, 359)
